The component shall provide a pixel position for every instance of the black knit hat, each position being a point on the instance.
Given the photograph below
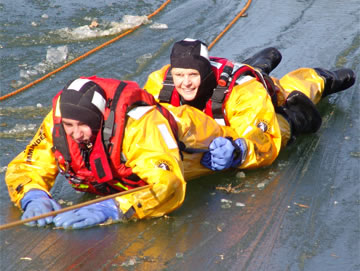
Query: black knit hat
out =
(85, 101)
(191, 54)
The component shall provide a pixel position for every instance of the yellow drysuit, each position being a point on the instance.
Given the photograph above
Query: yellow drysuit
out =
(150, 150)
(251, 113)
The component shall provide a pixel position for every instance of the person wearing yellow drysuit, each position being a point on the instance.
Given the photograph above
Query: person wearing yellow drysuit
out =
(107, 136)
(267, 112)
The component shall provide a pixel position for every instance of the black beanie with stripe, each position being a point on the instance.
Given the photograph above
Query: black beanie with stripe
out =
(83, 100)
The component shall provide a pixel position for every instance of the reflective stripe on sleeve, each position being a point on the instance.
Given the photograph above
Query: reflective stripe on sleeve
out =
(139, 111)
(170, 142)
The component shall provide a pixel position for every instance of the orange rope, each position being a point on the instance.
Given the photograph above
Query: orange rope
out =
(82, 56)
(230, 24)
(117, 38)
(16, 223)
(66, 209)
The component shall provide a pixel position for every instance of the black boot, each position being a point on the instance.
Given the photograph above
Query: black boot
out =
(266, 60)
(301, 113)
(336, 81)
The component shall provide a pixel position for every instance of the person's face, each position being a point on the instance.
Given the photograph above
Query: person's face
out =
(187, 82)
(79, 131)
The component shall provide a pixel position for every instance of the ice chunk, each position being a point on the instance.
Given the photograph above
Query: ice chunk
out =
(135, 20)
(240, 204)
(159, 26)
(41, 67)
(57, 55)
(102, 29)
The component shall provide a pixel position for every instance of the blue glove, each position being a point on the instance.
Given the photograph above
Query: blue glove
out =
(37, 202)
(225, 153)
(88, 216)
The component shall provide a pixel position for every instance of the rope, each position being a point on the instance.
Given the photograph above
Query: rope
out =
(117, 38)
(230, 24)
(83, 56)
(16, 223)
(53, 213)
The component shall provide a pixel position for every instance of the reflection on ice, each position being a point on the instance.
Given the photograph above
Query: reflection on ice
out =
(144, 58)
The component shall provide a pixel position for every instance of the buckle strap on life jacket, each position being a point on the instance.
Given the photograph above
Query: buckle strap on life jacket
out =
(60, 144)
(217, 101)
(108, 130)
(167, 89)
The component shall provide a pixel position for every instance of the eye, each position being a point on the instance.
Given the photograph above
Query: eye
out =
(67, 125)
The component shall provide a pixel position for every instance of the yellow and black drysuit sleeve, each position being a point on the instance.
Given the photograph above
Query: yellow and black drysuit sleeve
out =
(151, 150)
(35, 167)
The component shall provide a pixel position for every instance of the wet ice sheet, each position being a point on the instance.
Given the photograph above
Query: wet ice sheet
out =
(305, 217)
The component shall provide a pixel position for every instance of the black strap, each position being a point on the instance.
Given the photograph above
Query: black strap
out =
(129, 213)
(167, 89)
(108, 130)
(217, 100)
(99, 168)
(60, 142)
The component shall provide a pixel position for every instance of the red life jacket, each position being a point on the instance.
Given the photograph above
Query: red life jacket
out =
(227, 77)
(108, 172)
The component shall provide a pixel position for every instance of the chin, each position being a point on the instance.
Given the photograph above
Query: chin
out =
(189, 98)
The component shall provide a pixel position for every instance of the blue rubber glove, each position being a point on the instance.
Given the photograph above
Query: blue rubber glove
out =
(37, 202)
(220, 154)
(225, 153)
(88, 216)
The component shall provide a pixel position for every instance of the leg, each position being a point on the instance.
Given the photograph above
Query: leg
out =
(266, 60)
(314, 83)
(301, 114)
(336, 81)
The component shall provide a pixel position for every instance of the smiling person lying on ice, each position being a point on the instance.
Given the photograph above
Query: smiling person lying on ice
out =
(263, 110)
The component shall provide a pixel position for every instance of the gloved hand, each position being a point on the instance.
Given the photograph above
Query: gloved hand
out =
(37, 202)
(90, 215)
(224, 153)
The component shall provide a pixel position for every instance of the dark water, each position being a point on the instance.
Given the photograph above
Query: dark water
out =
(306, 214)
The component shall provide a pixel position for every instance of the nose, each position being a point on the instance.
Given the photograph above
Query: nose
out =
(77, 133)
(187, 81)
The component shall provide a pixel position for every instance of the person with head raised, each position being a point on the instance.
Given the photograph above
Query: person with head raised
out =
(267, 113)
(106, 136)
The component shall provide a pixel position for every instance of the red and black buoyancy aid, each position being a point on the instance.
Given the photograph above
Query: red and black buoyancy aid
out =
(227, 75)
(108, 172)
